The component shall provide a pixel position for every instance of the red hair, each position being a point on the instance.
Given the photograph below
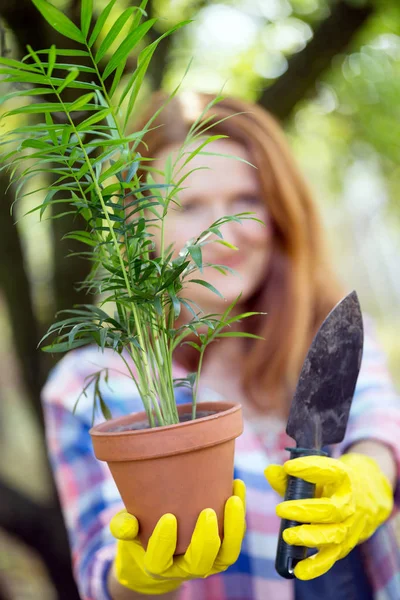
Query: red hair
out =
(299, 287)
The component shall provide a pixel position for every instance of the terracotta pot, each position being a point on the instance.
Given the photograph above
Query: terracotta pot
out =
(179, 469)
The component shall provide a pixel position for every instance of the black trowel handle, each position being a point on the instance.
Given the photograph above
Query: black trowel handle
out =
(287, 556)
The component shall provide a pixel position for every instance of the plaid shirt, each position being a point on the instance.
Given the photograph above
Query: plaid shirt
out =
(90, 498)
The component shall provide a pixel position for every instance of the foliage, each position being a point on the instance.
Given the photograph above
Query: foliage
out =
(96, 163)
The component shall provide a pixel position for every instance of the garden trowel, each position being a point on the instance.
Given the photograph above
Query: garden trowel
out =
(321, 405)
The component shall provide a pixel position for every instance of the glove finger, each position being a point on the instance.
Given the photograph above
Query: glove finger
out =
(356, 528)
(314, 536)
(124, 526)
(316, 510)
(161, 546)
(234, 529)
(277, 478)
(128, 553)
(199, 558)
(317, 469)
(239, 489)
(318, 564)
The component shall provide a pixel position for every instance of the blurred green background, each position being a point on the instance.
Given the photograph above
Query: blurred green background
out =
(330, 71)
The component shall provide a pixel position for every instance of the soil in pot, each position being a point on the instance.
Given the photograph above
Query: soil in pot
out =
(179, 469)
(145, 423)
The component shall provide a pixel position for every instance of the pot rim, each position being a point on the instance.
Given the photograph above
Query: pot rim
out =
(168, 439)
(101, 428)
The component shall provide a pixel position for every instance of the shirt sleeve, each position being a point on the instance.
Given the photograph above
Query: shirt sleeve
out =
(375, 410)
(88, 495)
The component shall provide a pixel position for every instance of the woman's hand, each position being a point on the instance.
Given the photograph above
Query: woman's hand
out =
(156, 570)
(353, 497)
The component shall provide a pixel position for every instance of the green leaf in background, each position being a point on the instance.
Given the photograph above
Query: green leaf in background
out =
(113, 33)
(127, 46)
(86, 16)
(58, 20)
(101, 21)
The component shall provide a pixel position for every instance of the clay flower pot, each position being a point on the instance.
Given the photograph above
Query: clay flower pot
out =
(179, 469)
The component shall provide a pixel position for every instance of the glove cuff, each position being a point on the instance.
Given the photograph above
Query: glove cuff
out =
(357, 460)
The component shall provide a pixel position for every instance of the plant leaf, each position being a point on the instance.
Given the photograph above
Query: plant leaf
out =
(193, 345)
(227, 244)
(104, 408)
(113, 33)
(72, 75)
(207, 285)
(98, 116)
(80, 102)
(81, 236)
(52, 133)
(240, 334)
(65, 346)
(51, 60)
(100, 22)
(144, 60)
(196, 254)
(30, 92)
(65, 52)
(175, 301)
(141, 10)
(58, 20)
(34, 143)
(127, 46)
(86, 16)
(117, 78)
(11, 62)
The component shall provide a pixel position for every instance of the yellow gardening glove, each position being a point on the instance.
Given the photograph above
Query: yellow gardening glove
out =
(353, 497)
(156, 570)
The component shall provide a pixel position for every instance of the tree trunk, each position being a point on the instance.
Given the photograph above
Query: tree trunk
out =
(331, 37)
(38, 526)
(17, 292)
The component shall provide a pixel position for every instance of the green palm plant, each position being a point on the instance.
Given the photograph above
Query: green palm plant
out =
(83, 144)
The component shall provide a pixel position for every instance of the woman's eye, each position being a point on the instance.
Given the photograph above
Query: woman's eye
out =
(250, 200)
(190, 206)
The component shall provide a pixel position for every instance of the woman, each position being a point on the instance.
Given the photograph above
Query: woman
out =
(283, 271)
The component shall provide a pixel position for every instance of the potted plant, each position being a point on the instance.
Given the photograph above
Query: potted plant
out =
(168, 458)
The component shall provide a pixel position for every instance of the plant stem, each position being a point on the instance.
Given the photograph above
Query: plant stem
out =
(196, 387)
(149, 390)
(140, 334)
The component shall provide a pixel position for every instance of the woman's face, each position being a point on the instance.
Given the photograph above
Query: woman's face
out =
(226, 187)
